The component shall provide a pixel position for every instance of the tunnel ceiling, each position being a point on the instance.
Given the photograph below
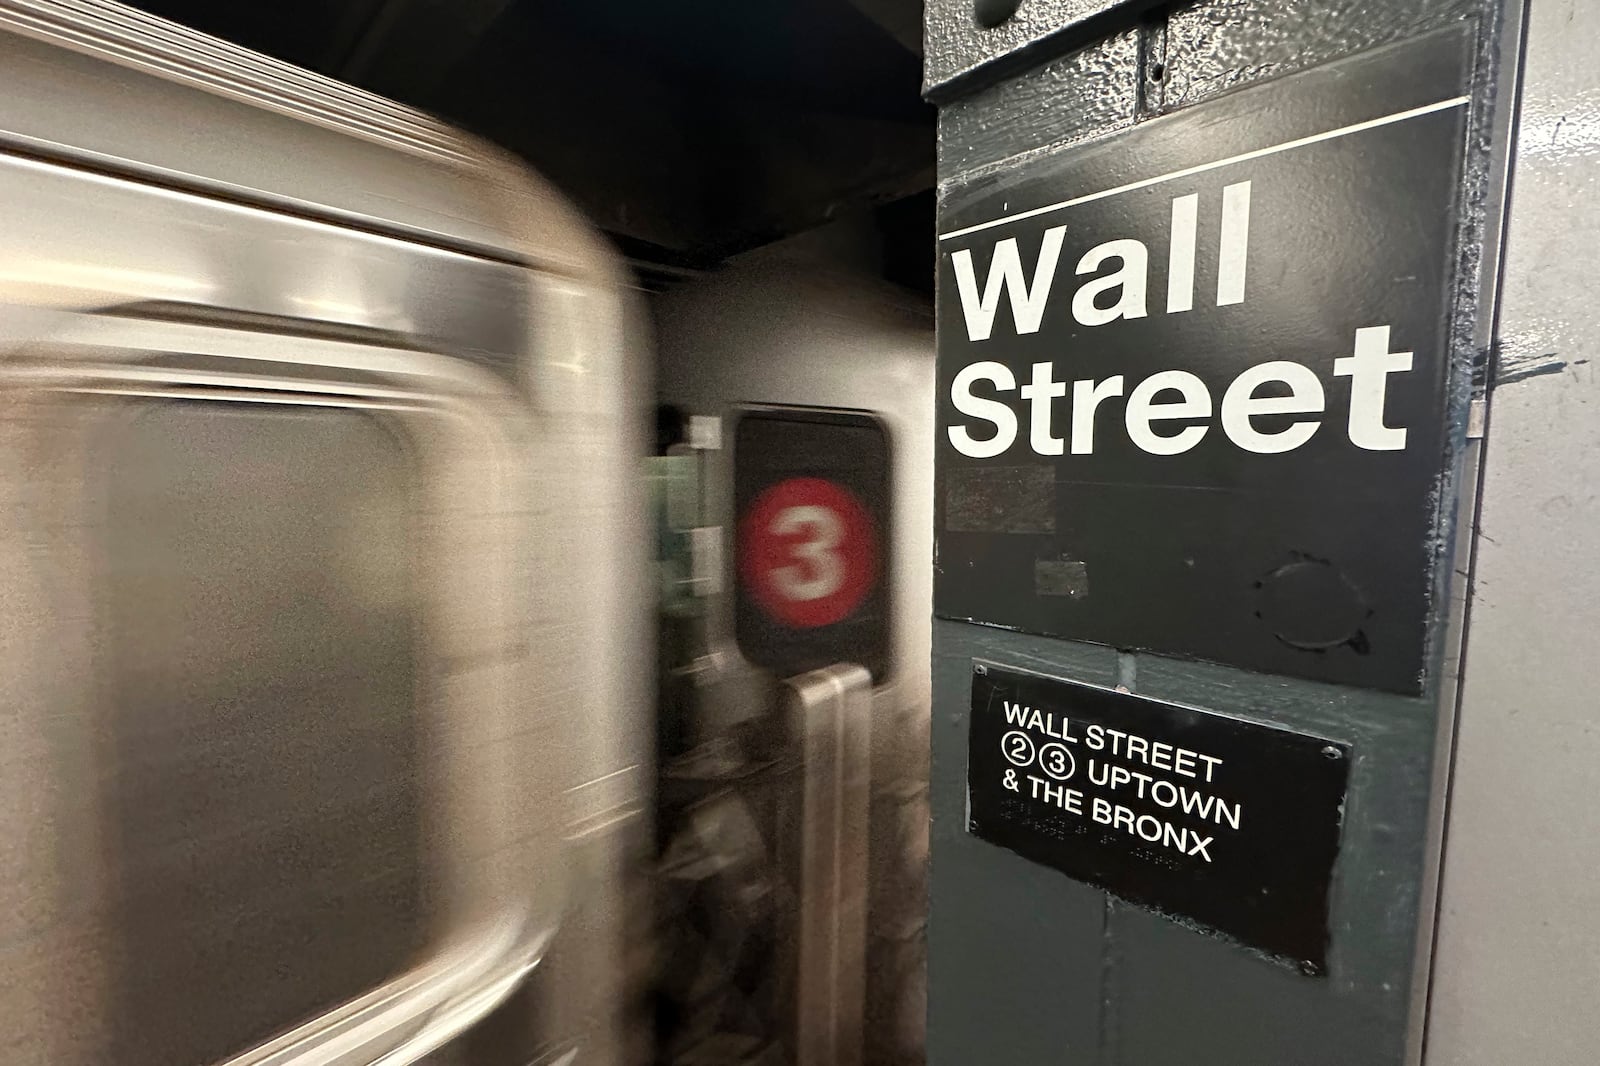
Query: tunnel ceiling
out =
(689, 129)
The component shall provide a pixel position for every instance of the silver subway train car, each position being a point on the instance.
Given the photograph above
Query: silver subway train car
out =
(330, 597)
(322, 630)
(806, 386)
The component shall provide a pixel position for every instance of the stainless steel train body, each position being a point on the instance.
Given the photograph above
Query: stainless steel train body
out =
(808, 325)
(320, 579)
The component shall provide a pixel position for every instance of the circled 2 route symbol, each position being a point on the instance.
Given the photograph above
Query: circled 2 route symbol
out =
(1018, 748)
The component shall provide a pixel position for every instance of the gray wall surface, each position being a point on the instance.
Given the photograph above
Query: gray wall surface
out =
(1517, 971)
(1026, 965)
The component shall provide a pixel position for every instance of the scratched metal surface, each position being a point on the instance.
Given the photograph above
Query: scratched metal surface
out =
(1030, 967)
(1213, 47)
(1515, 973)
(1086, 93)
(957, 49)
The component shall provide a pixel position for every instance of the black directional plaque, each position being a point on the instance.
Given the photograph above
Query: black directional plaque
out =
(1228, 823)
(1193, 381)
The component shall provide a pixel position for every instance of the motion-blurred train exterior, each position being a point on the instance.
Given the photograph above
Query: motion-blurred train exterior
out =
(324, 618)
(330, 594)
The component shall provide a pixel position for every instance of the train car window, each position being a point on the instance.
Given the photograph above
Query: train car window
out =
(811, 492)
(263, 791)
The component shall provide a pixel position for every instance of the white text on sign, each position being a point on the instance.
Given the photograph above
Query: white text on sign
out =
(1154, 404)
(1125, 785)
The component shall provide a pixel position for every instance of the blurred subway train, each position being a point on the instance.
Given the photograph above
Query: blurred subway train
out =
(372, 694)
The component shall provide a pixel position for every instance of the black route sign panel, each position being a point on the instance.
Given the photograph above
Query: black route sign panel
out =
(1230, 824)
(811, 492)
(1193, 381)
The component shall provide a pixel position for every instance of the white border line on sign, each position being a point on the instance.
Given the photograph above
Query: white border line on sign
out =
(1398, 116)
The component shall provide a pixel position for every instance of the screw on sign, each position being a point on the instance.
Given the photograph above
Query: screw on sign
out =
(808, 552)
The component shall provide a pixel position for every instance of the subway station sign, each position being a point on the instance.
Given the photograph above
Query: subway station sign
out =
(1227, 823)
(1194, 380)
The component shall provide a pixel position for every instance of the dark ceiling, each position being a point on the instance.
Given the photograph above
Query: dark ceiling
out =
(688, 129)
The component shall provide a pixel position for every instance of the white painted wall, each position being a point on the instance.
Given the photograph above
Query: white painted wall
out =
(1516, 974)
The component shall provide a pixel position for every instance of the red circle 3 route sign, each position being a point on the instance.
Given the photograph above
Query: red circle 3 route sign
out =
(812, 541)
(808, 552)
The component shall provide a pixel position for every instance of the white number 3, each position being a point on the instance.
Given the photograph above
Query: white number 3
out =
(822, 571)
